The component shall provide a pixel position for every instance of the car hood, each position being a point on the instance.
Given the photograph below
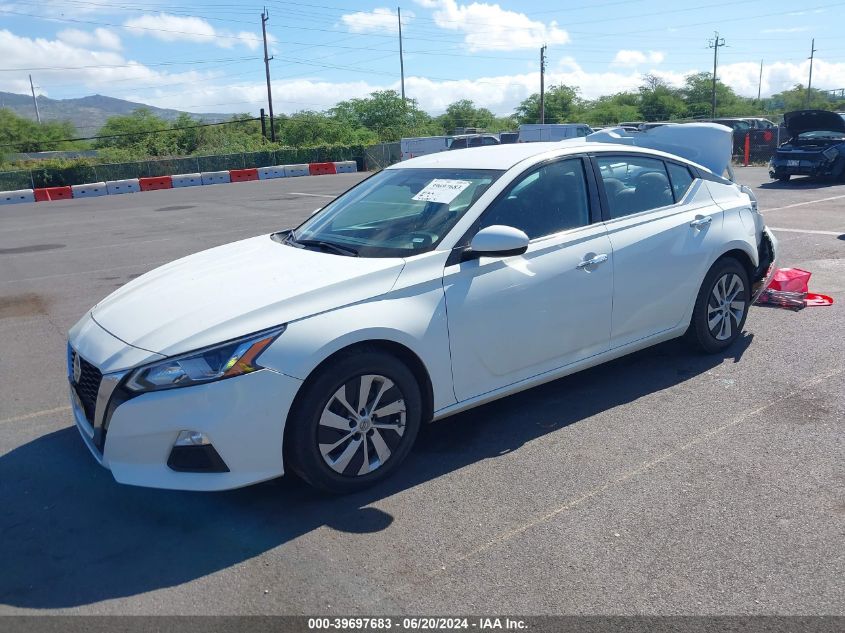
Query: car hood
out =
(237, 289)
(809, 120)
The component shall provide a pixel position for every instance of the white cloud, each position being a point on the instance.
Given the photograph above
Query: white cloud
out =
(378, 20)
(632, 58)
(173, 28)
(489, 27)
(98, 38)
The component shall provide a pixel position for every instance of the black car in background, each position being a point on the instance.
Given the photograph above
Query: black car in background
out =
(816, 146)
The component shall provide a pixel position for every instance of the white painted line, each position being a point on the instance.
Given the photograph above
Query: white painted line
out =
(836, 233)
(801, 204)
(315, 195)
(36, 414)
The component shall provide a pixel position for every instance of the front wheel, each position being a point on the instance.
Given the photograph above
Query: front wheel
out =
(784, 178)
(355, 422)
(721, 307)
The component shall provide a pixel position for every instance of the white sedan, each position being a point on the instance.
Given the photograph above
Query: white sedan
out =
(434, 286)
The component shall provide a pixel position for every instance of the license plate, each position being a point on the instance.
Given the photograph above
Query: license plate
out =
(793, 163)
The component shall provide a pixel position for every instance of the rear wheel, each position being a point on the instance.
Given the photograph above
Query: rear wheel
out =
(355, 423)
(721, 307)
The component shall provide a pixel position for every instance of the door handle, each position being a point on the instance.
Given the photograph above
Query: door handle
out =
(598, 259)
(700, 222)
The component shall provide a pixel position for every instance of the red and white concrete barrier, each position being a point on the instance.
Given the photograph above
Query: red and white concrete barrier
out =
(16, 197)
(90, 190)
(186, 180)
(296, 170)
(155, 183)
(133, 185)
(215, 177)
(128, 185)
(266, 173)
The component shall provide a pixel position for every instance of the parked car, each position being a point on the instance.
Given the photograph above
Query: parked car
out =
(473, 140)
(816, 146)
(433, 286)
(736, 124)
(539, 132)
(759, 123)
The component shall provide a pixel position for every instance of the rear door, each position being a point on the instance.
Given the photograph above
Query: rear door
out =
(664, 227)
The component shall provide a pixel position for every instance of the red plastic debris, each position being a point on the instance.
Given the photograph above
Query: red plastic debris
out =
(814, 300)
(789, 289)
(790, 280)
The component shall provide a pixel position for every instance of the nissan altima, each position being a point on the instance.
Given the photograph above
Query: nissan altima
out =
(433, 286)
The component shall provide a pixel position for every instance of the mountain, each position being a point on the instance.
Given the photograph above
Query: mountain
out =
(88, 114)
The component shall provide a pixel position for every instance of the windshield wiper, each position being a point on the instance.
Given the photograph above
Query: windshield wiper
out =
(329, 246)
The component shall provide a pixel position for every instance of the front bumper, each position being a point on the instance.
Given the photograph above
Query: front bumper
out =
(820, 167)
(243, 417)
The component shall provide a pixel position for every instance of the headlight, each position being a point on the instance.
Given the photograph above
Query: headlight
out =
(226, 360)
(831, 153)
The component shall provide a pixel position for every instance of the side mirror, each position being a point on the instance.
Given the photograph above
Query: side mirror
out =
(497, 241)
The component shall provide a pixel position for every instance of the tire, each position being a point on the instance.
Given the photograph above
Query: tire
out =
(784, 178)
(328, 443)
(715, 323)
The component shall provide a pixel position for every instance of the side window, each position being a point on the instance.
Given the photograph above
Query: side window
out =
(634, 184)
(489, 140)
(681, 180)
(547, 200)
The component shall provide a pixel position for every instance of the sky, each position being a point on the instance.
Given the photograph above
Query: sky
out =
(208, 56)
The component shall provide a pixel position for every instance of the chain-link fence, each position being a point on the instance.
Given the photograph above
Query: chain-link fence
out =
(79, 174)
(381, 155)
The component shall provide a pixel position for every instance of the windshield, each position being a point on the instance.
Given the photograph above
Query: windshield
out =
(822, 134)
(396, 213)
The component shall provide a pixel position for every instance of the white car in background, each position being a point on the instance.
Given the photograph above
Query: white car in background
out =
(434, 286)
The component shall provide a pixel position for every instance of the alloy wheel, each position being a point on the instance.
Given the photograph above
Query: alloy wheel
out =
(726, 306)
(362, 425)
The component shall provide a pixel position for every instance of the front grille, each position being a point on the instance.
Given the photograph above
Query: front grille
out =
(88, 386)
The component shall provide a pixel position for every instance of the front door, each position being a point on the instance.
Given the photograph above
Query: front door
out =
(515, 317)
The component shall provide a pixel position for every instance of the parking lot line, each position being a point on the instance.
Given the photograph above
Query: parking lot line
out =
(35, 414)
(314, 195)
(835, 233)
(801, 204)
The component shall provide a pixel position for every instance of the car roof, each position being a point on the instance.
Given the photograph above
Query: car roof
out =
(506, 156)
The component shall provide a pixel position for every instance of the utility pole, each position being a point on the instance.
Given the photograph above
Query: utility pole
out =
(542, 84)
(34, 100)
(401, 61)
(715, 44)
(264, 17)
(810, 80)
(760, 83)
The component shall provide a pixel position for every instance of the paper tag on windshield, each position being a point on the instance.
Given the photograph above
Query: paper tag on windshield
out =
(441, 190)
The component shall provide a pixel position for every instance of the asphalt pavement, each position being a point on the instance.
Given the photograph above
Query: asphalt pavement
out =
(662, 483)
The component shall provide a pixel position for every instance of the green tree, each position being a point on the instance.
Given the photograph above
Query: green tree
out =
(385, 113)
(609, 110)
(796, 99)
(132, 131)
(561, 106)
(309, 128)
(659, 101)
(465, 113)
(698, 96)
(19, 134)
